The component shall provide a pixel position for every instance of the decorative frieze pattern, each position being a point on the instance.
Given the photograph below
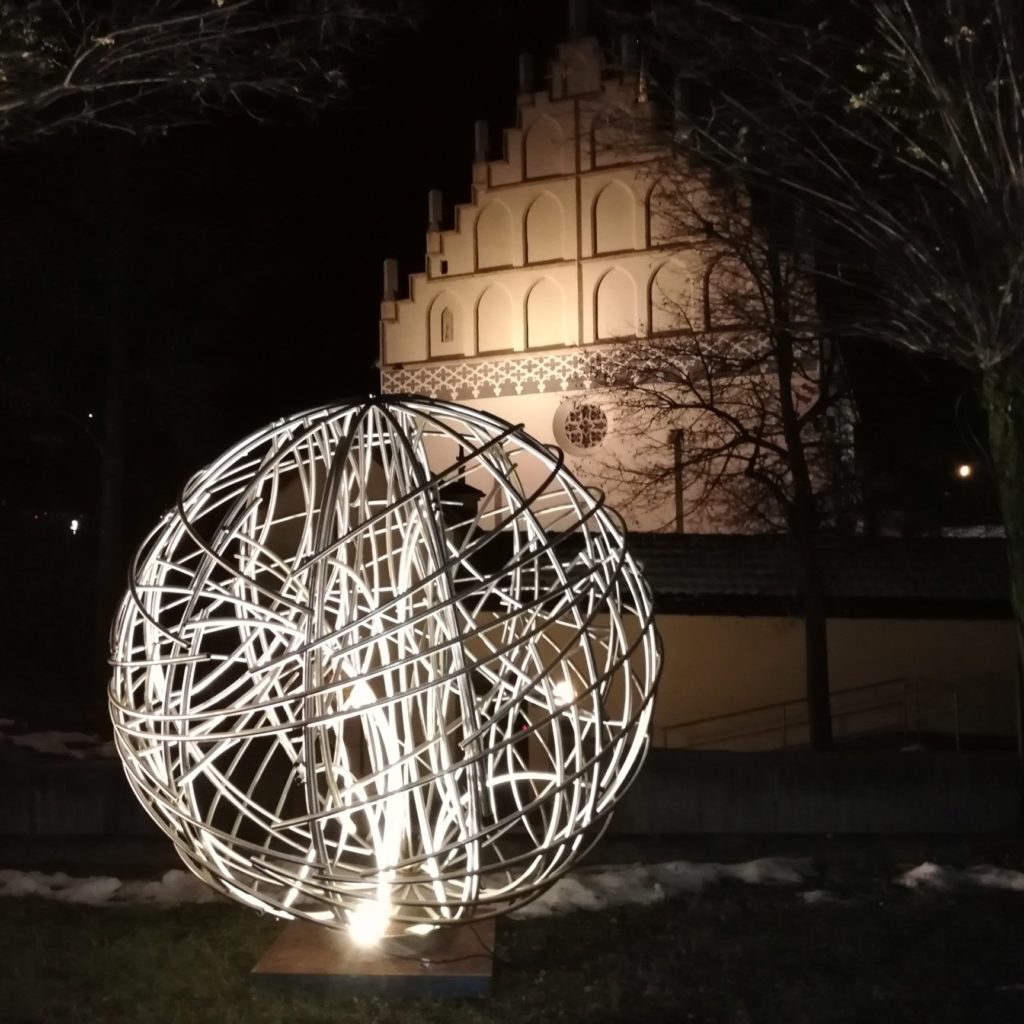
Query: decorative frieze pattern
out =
(617, 365)
(462, 380)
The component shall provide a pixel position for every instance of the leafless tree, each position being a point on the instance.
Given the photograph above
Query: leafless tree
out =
(736, 399)
(900, 124)
(158, 64)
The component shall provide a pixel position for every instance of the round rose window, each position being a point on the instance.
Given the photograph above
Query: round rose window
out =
(580, 426)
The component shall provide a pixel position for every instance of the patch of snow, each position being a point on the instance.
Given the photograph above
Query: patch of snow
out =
(770, 871)
(19, 883)
(995, 878)
(600, 887)
(946, 879)
(99, 889)
(816, 897)
(175, 887)
(684, 876)
(927, 876)
(978, 530)
(566, 895)
(57, 742)
(591, 888)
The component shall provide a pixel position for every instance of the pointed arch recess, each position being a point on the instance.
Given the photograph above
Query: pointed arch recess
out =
(446, 326)
(494, 236)
(614, 218)
(545, 315)
(542, 148)
(670, 299)
(615, 306)
(545, 229)
(495, 327)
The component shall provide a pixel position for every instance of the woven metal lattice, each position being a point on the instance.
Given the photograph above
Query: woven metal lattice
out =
(384, 659)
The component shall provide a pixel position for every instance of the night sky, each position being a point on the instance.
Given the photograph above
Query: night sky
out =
(242, 262)
(250, 254)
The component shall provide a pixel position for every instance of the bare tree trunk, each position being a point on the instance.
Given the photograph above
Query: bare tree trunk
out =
(803, 517)
(1003, 393)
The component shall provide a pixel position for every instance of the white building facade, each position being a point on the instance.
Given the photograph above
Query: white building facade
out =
(561, 256)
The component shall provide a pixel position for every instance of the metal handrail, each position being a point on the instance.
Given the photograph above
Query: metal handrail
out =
(782, 705)
(909, 686)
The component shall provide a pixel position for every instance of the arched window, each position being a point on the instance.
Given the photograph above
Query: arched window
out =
(542, 148)
(545, 227)
(494, 236)
(445, 327)
(614, 219)
(494, 321)
(545, 315)
(615, 306)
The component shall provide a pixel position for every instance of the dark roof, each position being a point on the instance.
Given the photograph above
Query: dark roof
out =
(863, 577)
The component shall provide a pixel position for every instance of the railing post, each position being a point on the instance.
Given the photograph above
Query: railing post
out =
(1019, 694)
(956, 718)
(906, 712)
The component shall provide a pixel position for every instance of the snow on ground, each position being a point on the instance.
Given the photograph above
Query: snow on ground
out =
(63, 744)
(947, 879)
(584, 889)
(172, 888)
(813, 897)
(589, 888)
(599, 887)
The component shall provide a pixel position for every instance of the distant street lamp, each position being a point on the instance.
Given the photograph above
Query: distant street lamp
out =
(965, 471)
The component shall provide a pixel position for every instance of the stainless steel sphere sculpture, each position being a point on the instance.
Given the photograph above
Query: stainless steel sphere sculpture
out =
(386, 666)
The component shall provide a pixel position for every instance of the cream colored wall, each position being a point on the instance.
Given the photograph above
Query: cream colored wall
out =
(717, 665)
(714, 666)
(553, 257)
(537, 414)
(587, 301)
(568, 187)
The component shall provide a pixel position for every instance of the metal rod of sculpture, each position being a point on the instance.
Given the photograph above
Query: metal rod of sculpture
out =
(387, 665)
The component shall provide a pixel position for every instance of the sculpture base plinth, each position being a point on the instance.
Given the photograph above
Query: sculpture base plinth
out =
(308, 957)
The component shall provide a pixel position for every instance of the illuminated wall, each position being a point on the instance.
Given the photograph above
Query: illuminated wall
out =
(561, 254)
(938, 674)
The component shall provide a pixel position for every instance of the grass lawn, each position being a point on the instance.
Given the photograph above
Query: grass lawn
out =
(734, 954)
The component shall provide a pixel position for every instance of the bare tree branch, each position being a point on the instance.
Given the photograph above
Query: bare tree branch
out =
(153, 65)
(898, 125)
